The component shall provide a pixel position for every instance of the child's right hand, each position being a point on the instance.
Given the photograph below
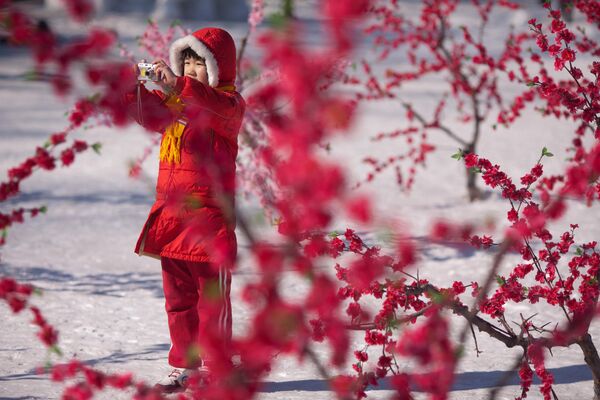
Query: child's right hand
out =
(167, 78)
(136, 69)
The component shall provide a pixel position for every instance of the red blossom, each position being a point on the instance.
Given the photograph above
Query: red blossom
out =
(78, 391)
(359, 208)
(16, 304)
(567, 55)
(336, 246)
(526, 375)
(407, 254)
(318, 332)
(80, 10)
(557, 25)
(365, 270)
(79, 146)
(58, 138)
(535, 352)
(48, 335)
(67, 157)
(316, 246)
(353, 310)
(281, 325)
(94, 378)
(310, 189)
(343, 386)
(361, 356)
(458, 287)
(83, 110)
(121, 381)
(43, 159)
(471, 160)
(269, 259)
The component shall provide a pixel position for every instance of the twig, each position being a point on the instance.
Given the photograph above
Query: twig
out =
(477, 351)
(484, 289)
(239, 59)
(506, 325)
(320, 367)
(443, 128)
(403, 320)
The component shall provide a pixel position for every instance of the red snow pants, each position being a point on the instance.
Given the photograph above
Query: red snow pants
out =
(197, 303)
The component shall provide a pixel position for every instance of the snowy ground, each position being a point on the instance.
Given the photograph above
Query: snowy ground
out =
(108, 302)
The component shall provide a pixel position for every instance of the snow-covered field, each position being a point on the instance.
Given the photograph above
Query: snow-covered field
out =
(108, 302)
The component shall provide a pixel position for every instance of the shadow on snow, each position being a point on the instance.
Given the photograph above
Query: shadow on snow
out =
(103, 284)
(108, 197)
(464, 380)
(158, 350)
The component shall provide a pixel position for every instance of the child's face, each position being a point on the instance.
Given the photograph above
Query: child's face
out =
(196, 69)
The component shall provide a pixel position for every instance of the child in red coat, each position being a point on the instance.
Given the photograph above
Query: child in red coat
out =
(191, 226)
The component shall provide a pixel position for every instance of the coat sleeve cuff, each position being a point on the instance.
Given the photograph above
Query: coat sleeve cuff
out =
(179, 84)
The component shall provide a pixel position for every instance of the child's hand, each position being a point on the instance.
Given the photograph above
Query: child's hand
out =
(136, 70)
(167, 79)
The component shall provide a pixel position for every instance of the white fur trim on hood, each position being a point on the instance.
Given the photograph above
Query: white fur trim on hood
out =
(212, 68)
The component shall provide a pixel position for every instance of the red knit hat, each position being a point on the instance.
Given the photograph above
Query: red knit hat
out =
(217, 48)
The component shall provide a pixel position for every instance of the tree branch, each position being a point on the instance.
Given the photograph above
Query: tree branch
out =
(443, 128)
(403, 320)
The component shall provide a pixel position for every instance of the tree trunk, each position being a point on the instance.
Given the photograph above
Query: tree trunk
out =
(590, 355)
(287, 9)
(473, 191)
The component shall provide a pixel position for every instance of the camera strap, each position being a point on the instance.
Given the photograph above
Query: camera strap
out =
(139, 102)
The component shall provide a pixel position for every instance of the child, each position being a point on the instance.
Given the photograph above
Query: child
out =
(191, 226)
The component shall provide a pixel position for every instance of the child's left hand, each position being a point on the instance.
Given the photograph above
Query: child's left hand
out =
(167, 79)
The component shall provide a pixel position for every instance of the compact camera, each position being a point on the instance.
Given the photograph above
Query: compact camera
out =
(147, 72)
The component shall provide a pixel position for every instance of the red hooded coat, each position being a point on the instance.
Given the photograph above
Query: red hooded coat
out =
(193, 216)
